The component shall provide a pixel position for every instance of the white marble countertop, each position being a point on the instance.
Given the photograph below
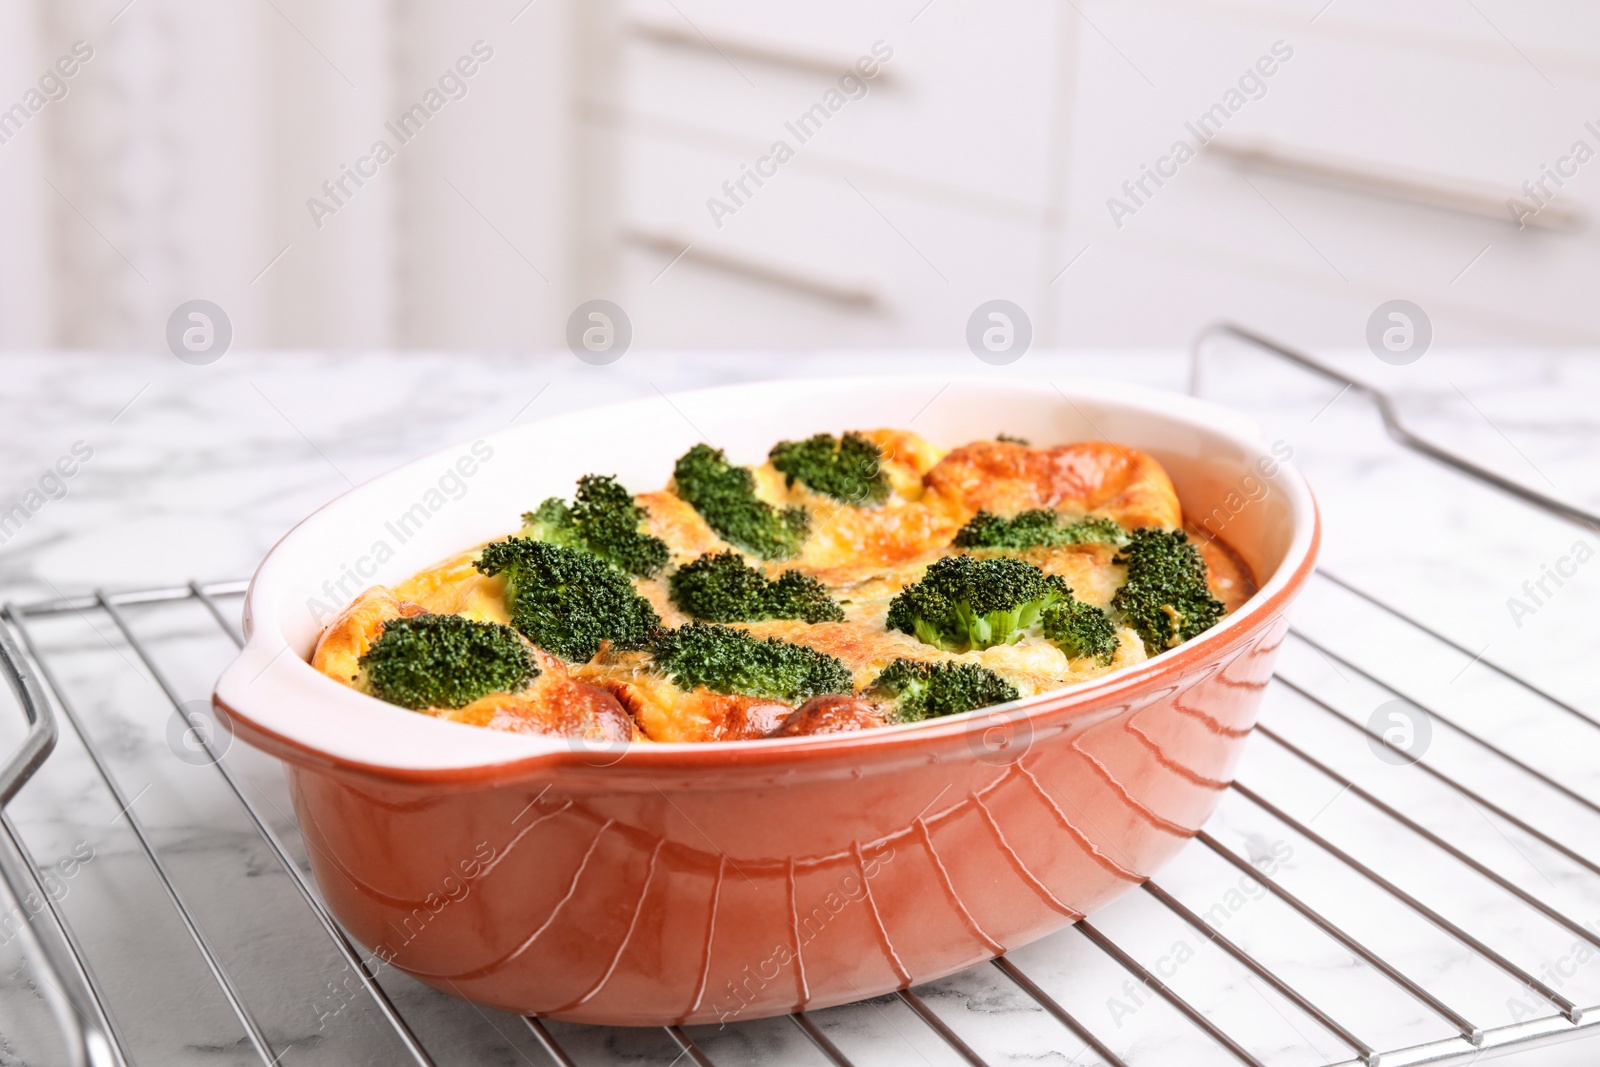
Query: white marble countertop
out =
(183, 472)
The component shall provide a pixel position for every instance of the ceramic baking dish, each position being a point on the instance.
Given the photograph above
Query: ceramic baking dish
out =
(662, 883)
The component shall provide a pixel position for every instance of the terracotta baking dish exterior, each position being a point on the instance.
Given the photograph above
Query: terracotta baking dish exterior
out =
(657, 884)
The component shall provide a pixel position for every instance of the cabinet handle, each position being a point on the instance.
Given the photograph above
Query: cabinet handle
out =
(1427, 191)
(693, 40)
(852, 297)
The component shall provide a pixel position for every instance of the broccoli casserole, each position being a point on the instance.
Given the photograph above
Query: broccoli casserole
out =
(848, 582)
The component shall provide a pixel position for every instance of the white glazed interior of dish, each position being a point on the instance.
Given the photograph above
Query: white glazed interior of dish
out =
(1209, 452)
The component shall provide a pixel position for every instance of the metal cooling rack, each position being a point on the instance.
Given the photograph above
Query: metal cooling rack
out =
(1072, 994)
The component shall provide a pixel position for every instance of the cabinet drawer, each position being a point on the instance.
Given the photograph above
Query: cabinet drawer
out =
(809, 260)
(1445, 120)
(965, 100)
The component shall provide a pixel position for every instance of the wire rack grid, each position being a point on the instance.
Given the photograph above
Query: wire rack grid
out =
(1434, 917)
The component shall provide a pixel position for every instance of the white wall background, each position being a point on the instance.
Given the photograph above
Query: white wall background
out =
(179, 164)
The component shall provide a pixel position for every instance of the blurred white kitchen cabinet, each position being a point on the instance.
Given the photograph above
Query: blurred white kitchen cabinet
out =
(1334, 156)
(961, 100)
(1339, 162)
(747, 184)
(813, 259)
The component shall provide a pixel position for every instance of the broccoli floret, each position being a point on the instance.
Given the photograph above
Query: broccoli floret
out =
(967, 602)
(1080, 629)
(1034, 529)
(725, 496)
(726, 660)
(1165, 599)
(928, 690)
(602, 519)
(799, 596)
(721, 587)
(1096, 529)
(566, 600)
(445, 661)
(848, 468)
(552, 522)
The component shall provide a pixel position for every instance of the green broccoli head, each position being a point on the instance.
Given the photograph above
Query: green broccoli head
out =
(1080, 629)
(566, 600)
(721, 587)
(799, 596)
(602, 519)
(1035, 529)
(445, 661)
(929, 690)
(967, 602)
(726, 660)
(725, 496)
(552, 522)
(1166, 598)
(848, 469)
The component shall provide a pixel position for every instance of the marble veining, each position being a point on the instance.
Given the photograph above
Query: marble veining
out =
(185, 472)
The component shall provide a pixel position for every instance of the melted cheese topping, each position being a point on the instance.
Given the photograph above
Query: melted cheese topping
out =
(864, 555)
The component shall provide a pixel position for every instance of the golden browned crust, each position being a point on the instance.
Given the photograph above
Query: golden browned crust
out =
(849, 545)
(1090, 477)
(907, 457)
(353, 630)
(666, 713)
(456, 587)
(679, 525)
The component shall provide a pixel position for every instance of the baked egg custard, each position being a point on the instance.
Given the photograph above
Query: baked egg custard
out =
(848, 582)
